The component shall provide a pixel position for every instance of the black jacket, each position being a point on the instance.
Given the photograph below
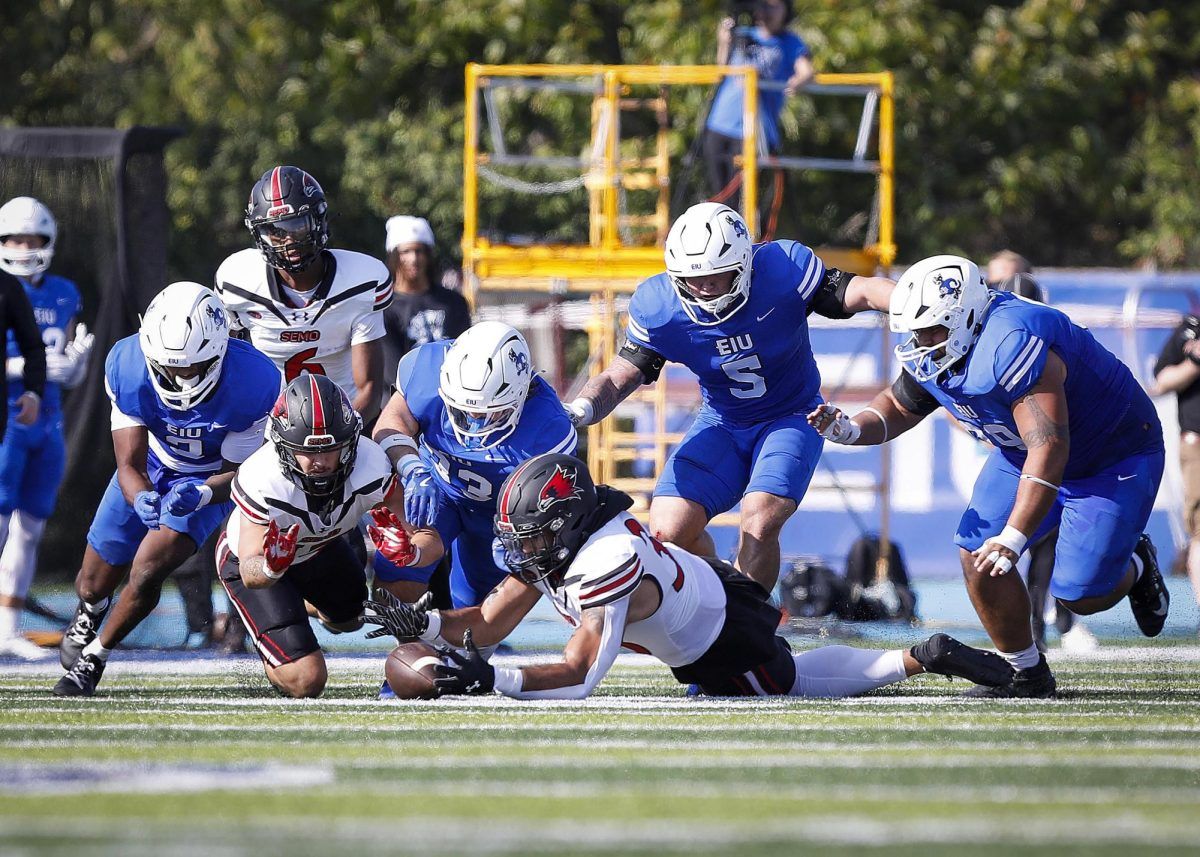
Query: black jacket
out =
(16, 314)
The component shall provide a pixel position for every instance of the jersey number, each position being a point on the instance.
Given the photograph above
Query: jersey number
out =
(297, 365)
(474, 486)
(188, 447)
(997, 435)
(739, 371)
(659, 548)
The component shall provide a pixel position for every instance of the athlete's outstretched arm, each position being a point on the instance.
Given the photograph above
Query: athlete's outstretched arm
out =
(366, 364)
(1043, 423)
(490, 622)
(602, 394)
(886, 418)
(868, 293)
(588, 657)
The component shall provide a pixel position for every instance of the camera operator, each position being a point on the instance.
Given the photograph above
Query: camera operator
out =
(784, 65)
(1178, 371)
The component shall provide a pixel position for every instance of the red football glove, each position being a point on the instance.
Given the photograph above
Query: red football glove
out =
(279, 548)
(390, 537)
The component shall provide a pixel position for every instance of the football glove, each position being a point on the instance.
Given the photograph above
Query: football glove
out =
(405, 622)
(420, 495)
(279, 546)
(581, 411)
(833, 425)
(186, 496)
(390, 538)
(146, 505)
(468, 674)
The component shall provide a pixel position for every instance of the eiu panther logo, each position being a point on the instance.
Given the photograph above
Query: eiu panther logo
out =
(216, 314)
(947, 286)
(519, 360)
(739, 228)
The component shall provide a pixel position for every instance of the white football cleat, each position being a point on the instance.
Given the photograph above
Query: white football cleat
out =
(23, 649)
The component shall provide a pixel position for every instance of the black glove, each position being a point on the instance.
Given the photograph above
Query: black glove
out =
(469, 673)
(405, 622)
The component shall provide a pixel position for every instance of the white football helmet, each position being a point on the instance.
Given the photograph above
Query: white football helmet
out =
(185, 325)
(710, 238)
(24, 215)
(942, 290)
(484, 382)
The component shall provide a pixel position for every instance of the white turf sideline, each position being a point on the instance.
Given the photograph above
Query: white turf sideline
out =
(150, 663)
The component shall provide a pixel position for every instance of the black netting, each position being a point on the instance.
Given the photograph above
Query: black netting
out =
(107, 190)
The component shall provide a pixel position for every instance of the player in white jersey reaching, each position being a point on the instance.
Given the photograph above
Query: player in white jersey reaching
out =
(618, 586)
(285, 547)
(307, 307)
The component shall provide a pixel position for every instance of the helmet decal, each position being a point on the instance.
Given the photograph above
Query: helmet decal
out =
(560, 486)
(216, 314)
(520, 360)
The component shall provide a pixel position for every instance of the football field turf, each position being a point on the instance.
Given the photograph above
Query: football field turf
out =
(196, 756)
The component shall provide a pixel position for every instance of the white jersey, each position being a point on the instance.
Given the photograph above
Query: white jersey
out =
(617, 559)
(346, 309)
(261, 491)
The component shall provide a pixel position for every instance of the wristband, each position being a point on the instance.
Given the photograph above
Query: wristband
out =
(583, 406)
(397, 439)
(1011, 538)
(206, 494)
(406, 463)
(434, 629)
(266, 569)
(36, 397)
(508, 681)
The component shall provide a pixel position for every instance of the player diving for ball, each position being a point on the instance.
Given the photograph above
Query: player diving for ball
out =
(188, 404)
(298, 502)
(1078, 446)
(735, 313)
(618, 586)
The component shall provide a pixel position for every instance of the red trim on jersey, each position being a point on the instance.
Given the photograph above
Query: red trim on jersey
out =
(768, 683)
(616, 584)
(254, 516)
(392, 484)
(634, 647)
(318, 410)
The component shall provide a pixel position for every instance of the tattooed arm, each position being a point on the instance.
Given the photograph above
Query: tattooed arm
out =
(1041, 418)
(608, 389)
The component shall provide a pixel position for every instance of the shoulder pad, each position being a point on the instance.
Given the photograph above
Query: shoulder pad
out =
(606, 570)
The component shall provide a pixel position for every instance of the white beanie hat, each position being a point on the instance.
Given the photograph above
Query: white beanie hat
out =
(405, 229)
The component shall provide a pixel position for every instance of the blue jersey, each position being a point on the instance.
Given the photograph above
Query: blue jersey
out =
(55, 302)
(774, 57)
(190, 441)
(756, 365)
(471, 477)
(1110, 417)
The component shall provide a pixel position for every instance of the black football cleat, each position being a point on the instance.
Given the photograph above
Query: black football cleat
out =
(79, 633)
(1148, 597)
(1037, 682)
(81, 679)
(944, 655)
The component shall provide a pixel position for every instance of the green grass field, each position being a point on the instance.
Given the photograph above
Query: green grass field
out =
(197, 757)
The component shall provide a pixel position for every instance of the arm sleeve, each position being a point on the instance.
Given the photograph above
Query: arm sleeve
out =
(239, 445)
(27, 336)
(1172, 353)
(912, 396)
(645, 358)
(829, 300)
(610, 646)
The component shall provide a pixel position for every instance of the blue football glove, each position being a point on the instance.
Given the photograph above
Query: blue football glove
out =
(146, 505)
(420, 495)
(186, 496)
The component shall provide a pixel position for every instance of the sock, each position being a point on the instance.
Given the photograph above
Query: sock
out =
(95, 648)
(9, 618)
(99, 607)
(1023, 660)
(834, 671)
(1138, 567)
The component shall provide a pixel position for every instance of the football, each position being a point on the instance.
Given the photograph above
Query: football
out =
(409, 670)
